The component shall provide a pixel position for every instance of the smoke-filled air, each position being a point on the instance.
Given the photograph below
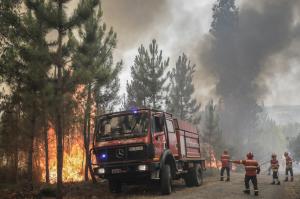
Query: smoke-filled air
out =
(121, 98)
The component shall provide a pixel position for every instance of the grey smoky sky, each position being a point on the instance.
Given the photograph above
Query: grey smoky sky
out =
(270, 34)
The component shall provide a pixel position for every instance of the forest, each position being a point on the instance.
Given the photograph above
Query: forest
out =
(58, 72)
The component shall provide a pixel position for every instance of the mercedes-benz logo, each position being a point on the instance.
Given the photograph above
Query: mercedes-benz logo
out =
(120, 153)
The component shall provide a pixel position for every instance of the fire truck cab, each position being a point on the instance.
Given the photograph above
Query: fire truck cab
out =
(145, 144)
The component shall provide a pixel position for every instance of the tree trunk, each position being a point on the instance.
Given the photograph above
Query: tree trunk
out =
(16, 161)
(210, 151)
(87, 134)
(31, 149)
(47, 177)
(59, 108)
(86, 176)
(88, 157)
(16, 150)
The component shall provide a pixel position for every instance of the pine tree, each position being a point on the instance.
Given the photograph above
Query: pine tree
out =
(225, 18)
(53, 14)
(212, 132)
(9, 22)
(26, 62)
(147, 86)
(180, 100)
(107, 96)
(93, 64)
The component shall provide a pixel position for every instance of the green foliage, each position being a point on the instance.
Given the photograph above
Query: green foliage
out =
(295, 147)
(147, 87)
(93, 60)
(53, 15)
(267, 138)
(212, 131)
(225, 18)
(180, 100)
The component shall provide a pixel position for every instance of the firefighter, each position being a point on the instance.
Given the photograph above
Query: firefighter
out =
(252, 168)
(225, 165)
(274, 166)
(288, 167)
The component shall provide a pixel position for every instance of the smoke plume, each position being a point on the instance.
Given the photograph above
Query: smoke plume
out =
(240, 56)
(133, 19)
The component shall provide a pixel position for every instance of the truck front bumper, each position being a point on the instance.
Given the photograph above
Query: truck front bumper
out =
(128, 171)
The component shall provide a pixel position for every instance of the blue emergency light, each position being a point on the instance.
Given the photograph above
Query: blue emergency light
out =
(134, 110)
(102, 156)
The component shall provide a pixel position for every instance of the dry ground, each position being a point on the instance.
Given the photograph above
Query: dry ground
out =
(211, 189)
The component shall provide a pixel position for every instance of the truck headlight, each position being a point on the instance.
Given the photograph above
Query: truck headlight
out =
(101, 171)
(142, 167)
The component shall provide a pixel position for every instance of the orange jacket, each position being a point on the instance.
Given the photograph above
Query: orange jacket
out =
(251, 166)
(225, 160)
(274, 165)
(288, 162)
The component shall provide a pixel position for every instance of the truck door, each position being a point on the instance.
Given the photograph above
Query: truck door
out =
(172, 139)
(158, 133)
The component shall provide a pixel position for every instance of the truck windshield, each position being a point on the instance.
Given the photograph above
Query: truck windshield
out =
(122, 126)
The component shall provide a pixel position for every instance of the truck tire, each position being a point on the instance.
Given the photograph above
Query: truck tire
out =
(198, 178)
(115, 186)
(166, 180)
(188, 179)
(194, 176)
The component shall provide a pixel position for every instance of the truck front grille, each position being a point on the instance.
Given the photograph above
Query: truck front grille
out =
(123, 153)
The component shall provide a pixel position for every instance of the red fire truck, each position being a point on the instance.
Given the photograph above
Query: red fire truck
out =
(145, 144)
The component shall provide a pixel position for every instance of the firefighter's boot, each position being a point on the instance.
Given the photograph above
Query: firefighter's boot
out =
(292, 179)
(273, 182)
(286, 179)
(278, 183)
(256, 192)
(228, 179)
(246, 191)
(221, 179)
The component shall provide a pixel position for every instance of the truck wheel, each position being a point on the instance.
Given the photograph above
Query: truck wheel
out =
(198, 178)
(166, 180)
(188, 179)
(194, 177)
(115, 186)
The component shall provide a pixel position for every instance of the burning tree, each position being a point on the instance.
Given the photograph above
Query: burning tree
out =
(212, 132)
(93, 64)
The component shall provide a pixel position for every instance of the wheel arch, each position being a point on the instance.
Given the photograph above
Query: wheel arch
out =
(168, 158)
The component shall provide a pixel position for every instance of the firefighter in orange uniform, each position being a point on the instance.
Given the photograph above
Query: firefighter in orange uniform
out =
(288, 167)
(275, 166)
(252, 169)
(225, 165)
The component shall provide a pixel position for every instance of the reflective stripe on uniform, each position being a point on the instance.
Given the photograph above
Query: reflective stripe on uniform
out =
(251, 167)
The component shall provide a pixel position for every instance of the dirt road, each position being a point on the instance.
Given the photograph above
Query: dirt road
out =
(211, 189)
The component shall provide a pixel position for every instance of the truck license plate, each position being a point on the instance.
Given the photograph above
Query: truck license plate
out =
(115, 171)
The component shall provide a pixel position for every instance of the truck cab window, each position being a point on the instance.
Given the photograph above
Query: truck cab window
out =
(157, 125)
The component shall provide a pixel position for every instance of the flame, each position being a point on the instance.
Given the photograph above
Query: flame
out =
(73, 160)
(212, 161)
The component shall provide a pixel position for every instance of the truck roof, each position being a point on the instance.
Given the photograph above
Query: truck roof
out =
(130, 111)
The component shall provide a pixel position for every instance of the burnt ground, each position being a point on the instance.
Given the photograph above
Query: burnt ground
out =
(212, 188)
